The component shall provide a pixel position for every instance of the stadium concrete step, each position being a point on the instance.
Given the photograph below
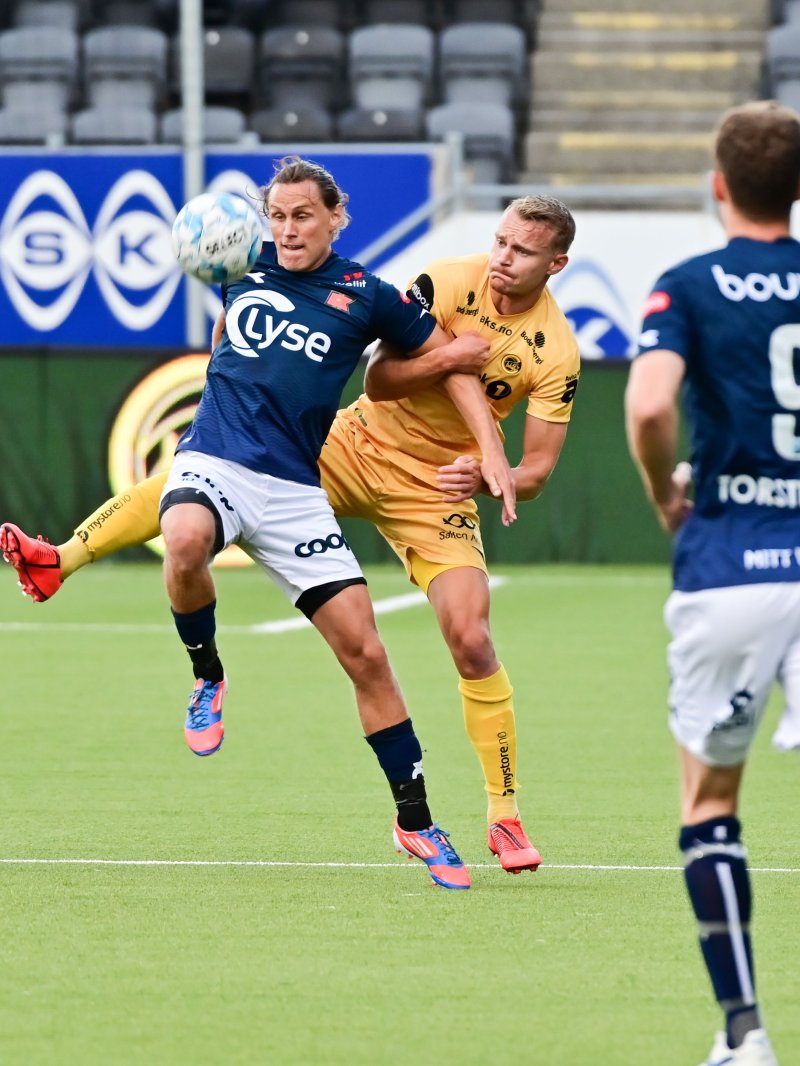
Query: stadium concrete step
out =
(618, 152)
(619, 38)
(753, 13)
(645, 71)
(669, 102)
(587, 191)
(620, 119)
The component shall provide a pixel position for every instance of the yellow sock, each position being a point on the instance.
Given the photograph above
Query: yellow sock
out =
(491, 727)
(122, 522)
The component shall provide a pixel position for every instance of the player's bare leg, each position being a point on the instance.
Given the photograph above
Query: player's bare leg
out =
(347, 623)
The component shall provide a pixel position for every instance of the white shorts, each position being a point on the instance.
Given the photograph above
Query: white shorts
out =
(729, 646)
(287, 528)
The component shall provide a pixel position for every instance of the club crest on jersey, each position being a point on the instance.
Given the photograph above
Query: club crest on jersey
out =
(655, 302)
(339, 300)
(512, 364)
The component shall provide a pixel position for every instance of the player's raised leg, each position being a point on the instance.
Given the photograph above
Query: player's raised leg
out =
(460, 598)
(347, 623)
(123, 521)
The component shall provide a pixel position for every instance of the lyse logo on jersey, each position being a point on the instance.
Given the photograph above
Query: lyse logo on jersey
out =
(251, 327)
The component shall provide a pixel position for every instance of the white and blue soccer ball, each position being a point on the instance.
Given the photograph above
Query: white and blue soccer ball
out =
(217, 237)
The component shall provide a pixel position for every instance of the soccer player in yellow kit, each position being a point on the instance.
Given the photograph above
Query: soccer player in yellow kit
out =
(402, 457)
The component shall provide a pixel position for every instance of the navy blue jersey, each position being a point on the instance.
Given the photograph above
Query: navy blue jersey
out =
(734, 316)
(291, 341)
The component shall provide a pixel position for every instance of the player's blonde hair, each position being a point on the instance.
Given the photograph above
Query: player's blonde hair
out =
(758, 151)
(550, 210)
(292, 169)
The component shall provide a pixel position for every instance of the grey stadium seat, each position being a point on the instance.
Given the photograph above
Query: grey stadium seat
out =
(421, 12)
(65, 14)
(125, 125)
(34, 52)
(32, 127)
(337, 14)
(391, 65)
(280, 125)
(228, 64)
(114, 53)
(41, 94)
(488, 136)
(378, 124)
(483, 61)
(782, 57)
(299, 65)
(221, 125)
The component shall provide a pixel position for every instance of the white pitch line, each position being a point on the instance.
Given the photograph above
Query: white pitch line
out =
(388, 605)
(355, 865)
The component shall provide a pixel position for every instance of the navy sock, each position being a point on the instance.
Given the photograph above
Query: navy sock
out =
(719, 889)
(197, 630)
(400, 756)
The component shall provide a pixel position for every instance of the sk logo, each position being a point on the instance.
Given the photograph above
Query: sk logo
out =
(47, 250)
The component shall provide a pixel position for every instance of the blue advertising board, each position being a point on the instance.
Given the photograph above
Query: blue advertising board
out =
(85, 252)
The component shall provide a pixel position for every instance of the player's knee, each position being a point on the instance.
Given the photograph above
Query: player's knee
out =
(472, 648)
(189, 545)
(365, 660)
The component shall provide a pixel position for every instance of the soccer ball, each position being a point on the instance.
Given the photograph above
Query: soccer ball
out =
(217, 237)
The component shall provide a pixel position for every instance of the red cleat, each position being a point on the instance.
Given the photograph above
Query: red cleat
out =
(37, 562)
(507, 840)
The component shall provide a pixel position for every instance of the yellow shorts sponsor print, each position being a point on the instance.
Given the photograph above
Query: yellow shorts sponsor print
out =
(407, 508)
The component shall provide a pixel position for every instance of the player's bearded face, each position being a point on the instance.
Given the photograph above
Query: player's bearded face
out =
(522, 256)
(302, 226)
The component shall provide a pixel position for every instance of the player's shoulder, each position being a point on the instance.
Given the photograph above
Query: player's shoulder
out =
(458, 265)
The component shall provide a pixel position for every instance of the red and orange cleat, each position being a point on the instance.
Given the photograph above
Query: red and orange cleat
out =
(433, 847)
(507, 840)
(36, 561)
(203, 728)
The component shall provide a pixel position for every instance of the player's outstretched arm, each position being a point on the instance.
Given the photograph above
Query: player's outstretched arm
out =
(391, 374)
(467, 394)
(542, 445)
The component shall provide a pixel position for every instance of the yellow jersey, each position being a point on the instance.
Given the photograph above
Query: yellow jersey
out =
(534, 357)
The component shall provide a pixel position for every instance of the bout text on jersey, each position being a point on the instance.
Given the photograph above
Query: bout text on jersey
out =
(252, 327)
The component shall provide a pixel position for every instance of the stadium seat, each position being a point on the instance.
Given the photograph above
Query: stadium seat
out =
(62, 13)
(228, 65)
(280, 125)
(300, 66)
(391, 66)
(483, 61)
(127, 13)
(513, 12)
(137, 53)
(421, 12)
(336, 14)
(125, 125)
(37, 126)
(377, 124)
(33, 52)
(782, 58)
(34, 95)
(487, 132)
(221, 125)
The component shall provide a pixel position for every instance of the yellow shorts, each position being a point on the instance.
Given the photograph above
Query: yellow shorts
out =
(410, 513)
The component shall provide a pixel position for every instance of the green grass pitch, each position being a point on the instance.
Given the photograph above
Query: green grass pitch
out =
(327, 949)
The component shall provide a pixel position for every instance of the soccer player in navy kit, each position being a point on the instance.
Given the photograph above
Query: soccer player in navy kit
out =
(724, 327)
